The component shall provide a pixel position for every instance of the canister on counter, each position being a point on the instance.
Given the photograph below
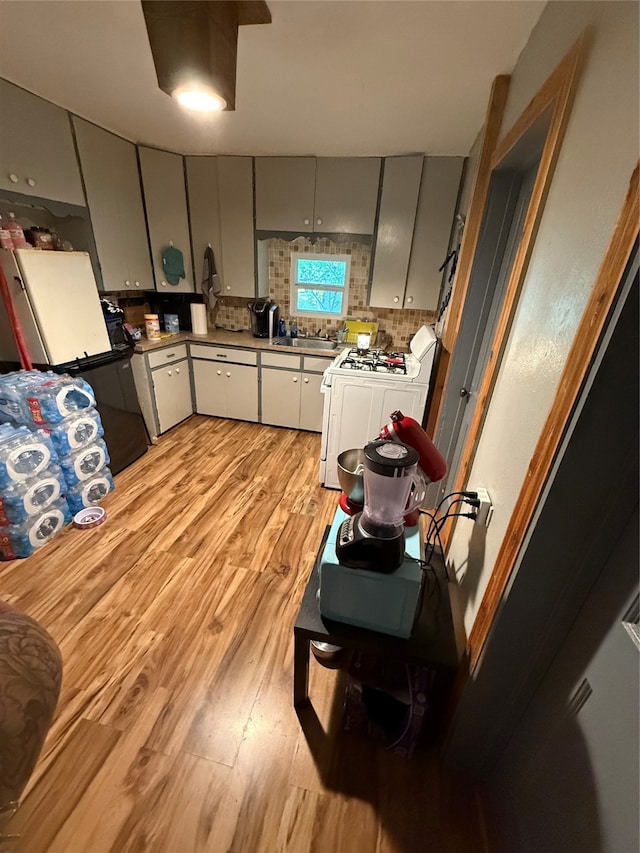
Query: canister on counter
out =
(171, 323)
(152, 327)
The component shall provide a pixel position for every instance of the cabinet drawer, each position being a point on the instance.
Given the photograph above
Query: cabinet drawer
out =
(317, 365)
(231, 354)
(280, 359)
(166, 355)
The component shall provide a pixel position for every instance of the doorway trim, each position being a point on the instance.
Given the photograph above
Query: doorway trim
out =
(556, 95)
(603, 294)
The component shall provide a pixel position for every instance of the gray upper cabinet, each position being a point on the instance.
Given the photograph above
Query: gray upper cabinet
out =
(165, 199)
(110, 172)
(346, 194)
(285, 189)
(235, 189)
(434, 219)
(204, 212)
(37, 155)
(416, 214)
(400, 190)
(333, 195)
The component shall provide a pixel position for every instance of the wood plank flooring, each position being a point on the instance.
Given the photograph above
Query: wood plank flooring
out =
(175, 730)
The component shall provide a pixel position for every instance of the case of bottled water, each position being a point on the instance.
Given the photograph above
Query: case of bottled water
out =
(21, 540)
(30, 497)
(23, 454)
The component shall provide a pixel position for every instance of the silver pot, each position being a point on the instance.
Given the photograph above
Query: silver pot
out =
(351, 474)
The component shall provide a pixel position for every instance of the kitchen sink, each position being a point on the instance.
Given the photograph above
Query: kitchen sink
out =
(307, 343)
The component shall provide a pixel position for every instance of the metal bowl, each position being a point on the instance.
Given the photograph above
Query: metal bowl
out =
(351, 474)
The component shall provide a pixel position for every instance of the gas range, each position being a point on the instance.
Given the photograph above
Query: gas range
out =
(373, 361)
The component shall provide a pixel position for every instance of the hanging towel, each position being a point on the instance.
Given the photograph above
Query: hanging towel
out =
(210, 285)
(173, 264)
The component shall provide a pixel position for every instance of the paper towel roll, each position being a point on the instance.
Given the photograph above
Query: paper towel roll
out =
(198, 318)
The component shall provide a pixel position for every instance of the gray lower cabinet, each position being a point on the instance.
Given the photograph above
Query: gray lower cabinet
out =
(290, 391)
(37, 155)
(165, 199)
(225, 381)
(172, 392)
(115, 204)
(163, 386)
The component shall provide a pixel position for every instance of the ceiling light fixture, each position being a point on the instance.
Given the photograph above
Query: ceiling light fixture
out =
(199, 100)
(194, 44)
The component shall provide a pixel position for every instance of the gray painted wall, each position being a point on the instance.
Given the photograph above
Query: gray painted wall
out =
(597, 159)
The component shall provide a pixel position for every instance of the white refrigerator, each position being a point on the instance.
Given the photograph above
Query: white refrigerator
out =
(56, 299)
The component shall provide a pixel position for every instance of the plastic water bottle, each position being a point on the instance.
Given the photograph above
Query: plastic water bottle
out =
(85, 463)
(91, 491)
(76, 431)
(54, 400)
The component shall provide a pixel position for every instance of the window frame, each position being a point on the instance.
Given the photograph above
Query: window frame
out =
(294, 285)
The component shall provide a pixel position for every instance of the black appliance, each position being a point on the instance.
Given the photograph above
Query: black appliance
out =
(114, 318)
(173, 303)
(264, 318)
(111, 378)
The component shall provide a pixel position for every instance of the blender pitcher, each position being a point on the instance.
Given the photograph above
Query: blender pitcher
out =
(393, 486)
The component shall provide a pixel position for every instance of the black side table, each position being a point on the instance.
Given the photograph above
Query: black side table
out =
(438, 639)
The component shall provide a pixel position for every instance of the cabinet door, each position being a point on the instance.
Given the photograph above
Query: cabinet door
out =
(209, 382)
(235, 185)
(37, 156)
(183, 403)
(241, 392)
(285, 188)
(434, 219)
(115, 205)
(281, 397)
(311, 402)
(172, 391)
(204, 211)
(166, 202)
(400, 189)
(346, 194)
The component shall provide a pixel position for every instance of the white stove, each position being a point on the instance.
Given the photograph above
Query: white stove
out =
(361, 390)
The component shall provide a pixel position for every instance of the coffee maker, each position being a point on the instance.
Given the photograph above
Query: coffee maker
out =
(264, 318)
(393, 486)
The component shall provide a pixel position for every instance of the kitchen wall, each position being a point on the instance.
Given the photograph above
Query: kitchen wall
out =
(398, 324)
(599, 153)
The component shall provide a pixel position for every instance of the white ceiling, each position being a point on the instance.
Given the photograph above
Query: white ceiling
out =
(324, 78)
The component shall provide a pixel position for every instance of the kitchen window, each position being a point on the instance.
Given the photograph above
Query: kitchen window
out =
(320, 285)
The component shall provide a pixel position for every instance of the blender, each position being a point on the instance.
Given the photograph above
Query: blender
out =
(393, 486)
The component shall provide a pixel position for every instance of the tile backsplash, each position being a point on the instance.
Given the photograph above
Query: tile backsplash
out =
(396, 324)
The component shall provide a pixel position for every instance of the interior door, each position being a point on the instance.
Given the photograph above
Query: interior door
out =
(507, 205)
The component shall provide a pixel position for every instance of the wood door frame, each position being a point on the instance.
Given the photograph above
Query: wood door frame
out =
(603, 294)
(557, 93)
(470, 235)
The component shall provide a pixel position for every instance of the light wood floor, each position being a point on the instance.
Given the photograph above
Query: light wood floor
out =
(175, 729)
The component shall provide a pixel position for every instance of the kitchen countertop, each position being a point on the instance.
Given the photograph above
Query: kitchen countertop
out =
(239, 339)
